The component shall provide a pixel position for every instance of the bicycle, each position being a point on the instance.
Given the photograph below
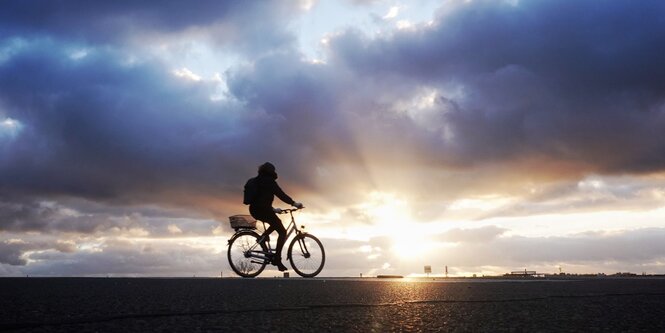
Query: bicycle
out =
(249, 253)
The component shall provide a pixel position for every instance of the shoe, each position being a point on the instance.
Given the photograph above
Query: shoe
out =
(281, 267)
(277, 261)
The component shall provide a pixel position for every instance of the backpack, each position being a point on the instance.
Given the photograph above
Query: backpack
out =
(251, 191)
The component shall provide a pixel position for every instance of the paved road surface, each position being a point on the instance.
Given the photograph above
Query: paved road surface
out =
(329, 305)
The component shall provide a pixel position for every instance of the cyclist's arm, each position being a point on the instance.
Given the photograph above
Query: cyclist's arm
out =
(281, 195)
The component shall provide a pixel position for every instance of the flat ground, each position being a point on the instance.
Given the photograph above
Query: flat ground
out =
(330, 305)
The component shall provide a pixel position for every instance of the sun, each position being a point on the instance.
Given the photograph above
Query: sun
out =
(390, 213)
(411, 249)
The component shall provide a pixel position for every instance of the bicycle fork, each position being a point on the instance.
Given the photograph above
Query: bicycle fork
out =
(303, 247)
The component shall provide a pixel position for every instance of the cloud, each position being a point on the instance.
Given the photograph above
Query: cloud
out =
(481, 250)
(128, 259)
(392, 13)
(30, 215)
(485, 101)
(476, 250)
(99, 128)
(11, 252)
(592, 193)
(134, 133)
(537, 81)
(591, 250)
(450, 111)
(108, 130)
(478, 235)
(9, 129)
(121, 21)
(14, 251)
(68, 217)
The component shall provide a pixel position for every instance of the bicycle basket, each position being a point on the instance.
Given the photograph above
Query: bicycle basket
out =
(242, 221)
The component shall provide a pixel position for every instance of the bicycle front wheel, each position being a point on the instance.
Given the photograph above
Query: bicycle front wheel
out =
(244, 254)
(306, 255)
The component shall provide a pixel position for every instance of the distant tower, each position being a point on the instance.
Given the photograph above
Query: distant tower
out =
(446, 270)
(559, 269)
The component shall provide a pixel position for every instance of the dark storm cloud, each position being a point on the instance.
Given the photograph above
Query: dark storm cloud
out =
(96, 127)
(70, 216)
(99, 122)
(100, 128)
(103, 128)
(574, 82)
(12, 251)
(48, 216)
(25, 215)
(250, 26)
(300, 103)
(124, 135)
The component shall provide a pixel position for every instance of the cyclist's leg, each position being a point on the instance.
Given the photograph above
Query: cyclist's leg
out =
(263, 214)
(267, 233)
(267, 215)
(276, 224)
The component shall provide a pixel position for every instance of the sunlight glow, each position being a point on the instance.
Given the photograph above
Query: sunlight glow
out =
(391, 214)
(484, 203)
(591, 183)
(174, 229)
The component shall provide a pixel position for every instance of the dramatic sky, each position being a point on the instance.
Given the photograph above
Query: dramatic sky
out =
(486, 136)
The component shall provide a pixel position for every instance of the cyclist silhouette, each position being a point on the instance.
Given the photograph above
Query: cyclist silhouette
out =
(260, 192)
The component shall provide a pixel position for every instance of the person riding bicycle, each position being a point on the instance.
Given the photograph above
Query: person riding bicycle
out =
(260, 192)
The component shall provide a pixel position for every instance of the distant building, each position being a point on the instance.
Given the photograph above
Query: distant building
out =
(524, 273)
(624, 274)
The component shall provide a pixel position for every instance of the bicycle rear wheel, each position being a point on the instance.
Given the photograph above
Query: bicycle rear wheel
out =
(240, 254)
(306, 255)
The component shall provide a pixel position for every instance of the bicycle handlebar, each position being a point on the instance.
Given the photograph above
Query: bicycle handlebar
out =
(289, 210)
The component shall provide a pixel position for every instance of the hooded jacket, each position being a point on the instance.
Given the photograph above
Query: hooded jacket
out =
(267, 190)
